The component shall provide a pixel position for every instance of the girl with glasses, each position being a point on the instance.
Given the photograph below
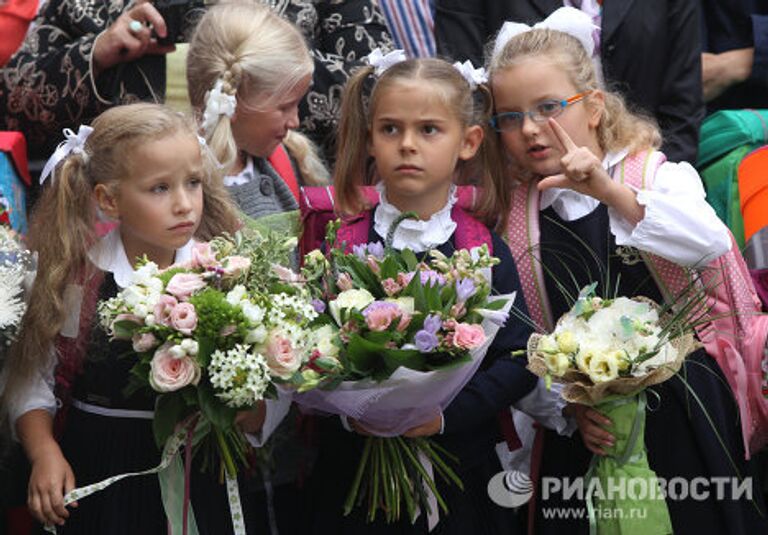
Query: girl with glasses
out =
(589, 198)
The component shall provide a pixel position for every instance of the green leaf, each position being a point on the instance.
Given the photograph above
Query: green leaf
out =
(125, 329)
(408, 358)
(410, 259)
(205, 348)
(169, 411)
(220, 415)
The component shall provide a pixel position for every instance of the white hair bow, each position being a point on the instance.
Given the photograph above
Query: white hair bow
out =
(568, 20)
(474, 77)
(73, 143)
(381, 62)
(217, 103)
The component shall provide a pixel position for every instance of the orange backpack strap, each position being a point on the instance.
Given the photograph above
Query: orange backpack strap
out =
(281, 162)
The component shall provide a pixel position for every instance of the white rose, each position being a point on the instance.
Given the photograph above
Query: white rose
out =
(357, 299)
(324, 341)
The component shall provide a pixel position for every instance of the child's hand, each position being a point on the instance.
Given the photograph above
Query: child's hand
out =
(591, 426)
(50, 480)
(582, 170)
(252, 421)
(427, 429)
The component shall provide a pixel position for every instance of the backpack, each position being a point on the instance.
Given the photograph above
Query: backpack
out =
(726, 138)
(14, 180)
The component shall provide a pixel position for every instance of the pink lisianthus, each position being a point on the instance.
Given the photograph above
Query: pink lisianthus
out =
(390, 286)
(182, 285)
(163, 309)
(168, 373)
(379, 315)
(282, 360)
(144, 342)
(405, 321)
(468, 336)
(183, 318)
(203, 256)
(236, 266)
(344, 282)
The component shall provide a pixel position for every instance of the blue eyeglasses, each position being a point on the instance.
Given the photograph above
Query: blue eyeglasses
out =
(546, 109)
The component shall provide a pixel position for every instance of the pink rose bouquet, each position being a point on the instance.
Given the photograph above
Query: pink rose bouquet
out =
(212, 335)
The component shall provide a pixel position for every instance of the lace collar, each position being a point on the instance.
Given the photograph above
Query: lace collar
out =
(416, 235)
(109, 255)
(572, 205)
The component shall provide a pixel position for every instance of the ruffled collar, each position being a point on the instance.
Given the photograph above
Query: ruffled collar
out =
(414, 234)
(109, 255)
(244, 176)
(571, 205)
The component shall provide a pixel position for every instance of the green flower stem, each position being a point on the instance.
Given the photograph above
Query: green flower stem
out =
(440, 465)
(402, 488)
(425, 476)
(226, 455)
(351, 497)
(387, 476)
(373, 498)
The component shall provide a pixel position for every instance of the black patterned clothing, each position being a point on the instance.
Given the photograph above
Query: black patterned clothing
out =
(47, 85)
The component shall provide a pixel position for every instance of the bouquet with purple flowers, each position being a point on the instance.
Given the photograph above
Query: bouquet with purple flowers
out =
(395, 339)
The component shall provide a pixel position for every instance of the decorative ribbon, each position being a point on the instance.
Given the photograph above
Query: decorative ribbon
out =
(73, 143)
(474, 77)
(171, 474)
(568, 20)
(217, 103)
(381, 62)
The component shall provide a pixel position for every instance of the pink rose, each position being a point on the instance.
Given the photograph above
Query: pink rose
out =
(236, 266)
(184, 318)
(182, 285)
(168, 374)
(144, 342)
(468, 336)
(282, 361)
(163, 309)
(203, 256)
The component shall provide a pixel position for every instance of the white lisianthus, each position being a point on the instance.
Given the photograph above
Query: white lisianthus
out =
(567, 343)
(356, 299)
(256, 336)
(547, 344)
(253, 313)
(324, 341)
(557, 363)
(145, 274)
(406, 304)
(584, 358)
(604, 367)
(235, 295)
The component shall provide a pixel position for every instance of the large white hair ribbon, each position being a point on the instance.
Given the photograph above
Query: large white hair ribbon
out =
(381, 62)
(217, 103)
(73, 143)
(569, 20)
(474, 77)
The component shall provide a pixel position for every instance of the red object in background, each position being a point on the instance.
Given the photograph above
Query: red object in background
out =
(16, 146)
(19, 521)
(15, 16)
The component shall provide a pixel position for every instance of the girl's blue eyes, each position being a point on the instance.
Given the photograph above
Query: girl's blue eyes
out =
(162, 188)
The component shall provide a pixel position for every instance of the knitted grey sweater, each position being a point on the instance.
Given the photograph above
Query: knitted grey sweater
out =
(265, 193)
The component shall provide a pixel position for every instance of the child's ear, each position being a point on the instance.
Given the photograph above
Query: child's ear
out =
(106, 200)
(473, 137)
(596, 104)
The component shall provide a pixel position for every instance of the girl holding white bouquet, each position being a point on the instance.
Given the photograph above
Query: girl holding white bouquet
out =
(590, 199)
(144, 166)
(419, 126)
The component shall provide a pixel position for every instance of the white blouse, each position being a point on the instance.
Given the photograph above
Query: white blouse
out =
(679, 224)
